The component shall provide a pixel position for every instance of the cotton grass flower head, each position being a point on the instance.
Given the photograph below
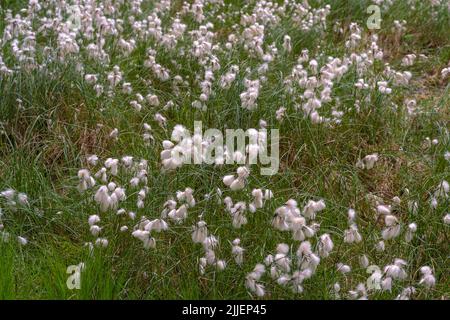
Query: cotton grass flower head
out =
(210, 242)
(249, 97)
(22, 199)
(281, 259)
(8, 194)
(92, 160)
(367, 162)
(251, 280)
(396, 200)
(297, 279)
(352, 235)
(200, 232)
(187, 197)
(114, 134)
(209, 245)
(343, 268)
(93, 219)
(156, 225)
(95, 230)
(178, 215)
(238, 214)
(351, 215)
(258, 198)
(169, 206)
(221, 265)
(359, 293)
(386, 284)
(237, 251)
(413, 207)
(428, 280)
(325, 245)
(447, 218)
(113, 165)
(86, 181)
(380, 246)
(412, 228)
(384, 210)
(392, 229)
(364, 261)
(144, 236)
(22, 241)
(336, 290)
(210, 257)
(103, 198)
(306, 258)
(406, 294)
(102, 175)
(396, 270)
(447, 155)
(312, 207)
(101, 242)
(202, 265)
(237, 183)
(300, 231)
(279, 220)
(442, 191)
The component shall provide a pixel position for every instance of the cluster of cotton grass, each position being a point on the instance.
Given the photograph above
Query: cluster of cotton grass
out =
(109, 196)
(290, 265)
(14, 202)
(119, 185)
(82, 38)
